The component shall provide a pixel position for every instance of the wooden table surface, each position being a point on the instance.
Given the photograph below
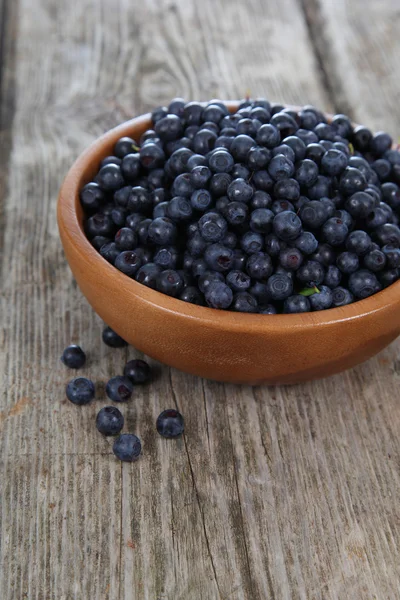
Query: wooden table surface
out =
(274, 492)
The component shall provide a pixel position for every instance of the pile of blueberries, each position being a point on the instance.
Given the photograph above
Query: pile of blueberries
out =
(110, 421)
(266, 210)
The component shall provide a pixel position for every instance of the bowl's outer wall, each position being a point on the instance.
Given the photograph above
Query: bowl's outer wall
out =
(220, 345)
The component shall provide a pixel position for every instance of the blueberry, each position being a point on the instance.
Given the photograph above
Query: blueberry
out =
(131, 167)
(212, 227)
(315, 152)
(240, 171)
(388, 277)
(80, 391)
(73, 357)
(119, 389)
(335, 231)
(170, 423)
(279, 286)
(268, 135)
(252, 242)
(320, 189)
(375, 260)
(221, 161)
(347, 262)
(127, 447)
(99, 224)
(296, 304)
(239, 259)
(118, 216)
(297, 145)
(219, 184)
(112, 339)
(178, 161)
(176, 107)
(169, 128)
(352, 181)
(285, 123)
(143, 232)
(110, 252)
(259, 265)
(334, 162)
(138, 371)
(306, 172)
(258, 157)
(110, 178)
(311, 273)
(110, 160)
(241, 146)
(133, 221)
(333, 276)
(92, 196)
(261, 114)
(124, 146)
(287, 225)
(200, 176)
(273, 245)
(306, 136)
(267, 309)
(230, 240)
(358, 242)
(192, 113)
(179, 209)
(148, 275)
(219, 295)
(152, 156)
(244, 302)
(139, 200)
(382, 168)
(341, 296)
(325, 132)
(125, 239)
(159, 113)
(284, 150)
(376, 217)
(238, 281)
(204, 141)
(392, 255)
(221, 205)
(287, 189)
(342, 125)
(121, 196)
(380, 143)
(290, 259)
(223, 141)
(199, 266)
(387, 234)
(218, 257)
(99, 240)
(170, 282)
(306, 242)
(162, 231)
(261, 220)
(308, 119)
(391, 194)
(363, 283)
(109, 420)
(262, 180)
(208, 277)
(260, 199)
(129, 262)
(240, 191)
(196, 160)
(346, 217)
(248, 127)
(280, 167)
(191, 294)
(321, 300)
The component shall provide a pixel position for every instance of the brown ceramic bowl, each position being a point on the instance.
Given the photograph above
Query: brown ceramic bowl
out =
(220, 345)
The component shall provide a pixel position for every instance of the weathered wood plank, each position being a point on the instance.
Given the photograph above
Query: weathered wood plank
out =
(274, 492)
(359, 47)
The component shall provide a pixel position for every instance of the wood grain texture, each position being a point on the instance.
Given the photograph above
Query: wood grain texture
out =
(274, 493)
(358, 45)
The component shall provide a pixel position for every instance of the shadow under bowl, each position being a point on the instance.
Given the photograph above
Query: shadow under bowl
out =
(215, 344)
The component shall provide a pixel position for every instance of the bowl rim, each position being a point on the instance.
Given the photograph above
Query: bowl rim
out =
(70, 223)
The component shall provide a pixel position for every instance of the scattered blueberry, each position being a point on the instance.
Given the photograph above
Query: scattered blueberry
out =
(119, 389)
(138, 371)
(80, 391)
(127, 447)
(109, 420)
(170, 423)
(112, 339)
(73, 357)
